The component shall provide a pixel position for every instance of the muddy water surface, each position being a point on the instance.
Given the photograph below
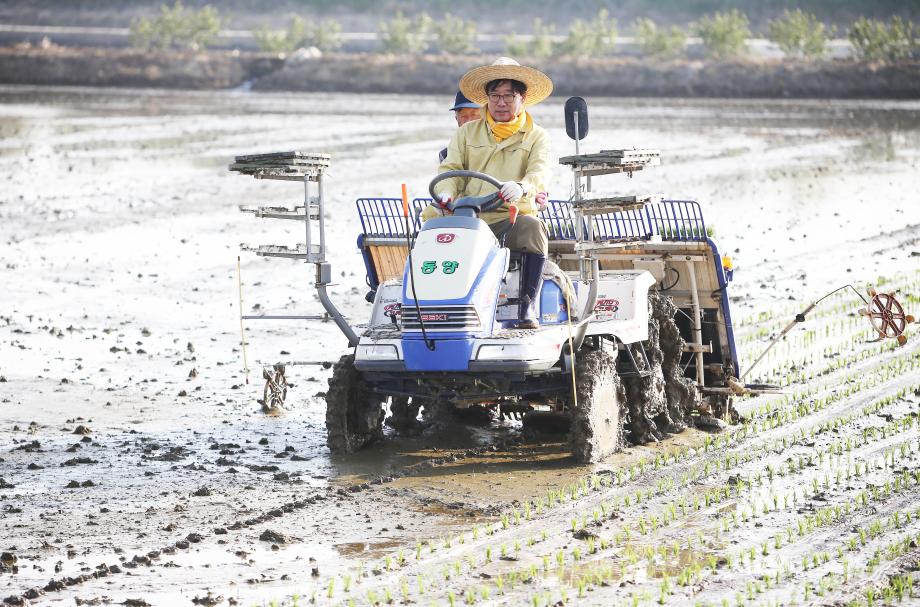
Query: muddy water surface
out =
(130, 435)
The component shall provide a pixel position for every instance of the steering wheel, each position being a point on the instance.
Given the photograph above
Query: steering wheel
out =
(478, 204)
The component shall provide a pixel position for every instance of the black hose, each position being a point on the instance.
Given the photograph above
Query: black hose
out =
(841, 289)
(429, 343)
(674, 284)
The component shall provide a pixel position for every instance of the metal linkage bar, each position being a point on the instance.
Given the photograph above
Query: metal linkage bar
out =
(284, 317)
(697, 323)
(321, 203)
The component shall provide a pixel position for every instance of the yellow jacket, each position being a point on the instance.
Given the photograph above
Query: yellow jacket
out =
(524, 157)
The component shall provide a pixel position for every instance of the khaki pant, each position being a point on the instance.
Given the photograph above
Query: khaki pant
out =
(528, 234)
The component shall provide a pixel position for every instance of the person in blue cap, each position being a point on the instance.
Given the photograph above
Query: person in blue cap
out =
(464, 111)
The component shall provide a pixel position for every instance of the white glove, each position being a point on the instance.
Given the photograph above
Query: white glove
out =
(511, 191)
(442, 203)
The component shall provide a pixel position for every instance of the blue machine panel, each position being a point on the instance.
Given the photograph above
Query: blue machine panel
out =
(552, 304)
(448, 355)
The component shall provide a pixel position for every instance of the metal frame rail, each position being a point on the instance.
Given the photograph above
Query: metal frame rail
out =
(312, 213)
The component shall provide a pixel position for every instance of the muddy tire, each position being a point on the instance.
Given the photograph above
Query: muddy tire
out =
(354, 414)
(597, 424)
(404, 416)
(436, 412)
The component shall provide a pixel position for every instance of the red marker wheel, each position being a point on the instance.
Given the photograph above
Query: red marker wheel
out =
(886, 315)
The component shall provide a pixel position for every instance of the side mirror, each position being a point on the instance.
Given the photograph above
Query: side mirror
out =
(576, 118)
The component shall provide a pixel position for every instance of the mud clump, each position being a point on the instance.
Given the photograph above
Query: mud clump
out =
(174, 454)
(78, 484)
(202, 492)
(275, 537)
(584, 534)
(8, 563)
(79, 461)
(259, 468)
(5, 485)
(708, 422)
(662, 400)
(29, 447)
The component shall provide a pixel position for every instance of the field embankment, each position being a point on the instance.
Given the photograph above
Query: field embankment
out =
(63, 66)
(435, 74)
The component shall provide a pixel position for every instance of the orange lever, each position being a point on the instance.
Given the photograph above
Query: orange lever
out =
(512, 213)
(405, 200)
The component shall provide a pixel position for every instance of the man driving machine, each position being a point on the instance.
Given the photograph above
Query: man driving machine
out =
(508, 145)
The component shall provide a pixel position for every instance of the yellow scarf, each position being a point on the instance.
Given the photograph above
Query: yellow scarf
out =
(503, 130)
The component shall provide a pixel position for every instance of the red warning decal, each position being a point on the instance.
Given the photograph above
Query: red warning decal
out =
(607, 305)
(393, 309)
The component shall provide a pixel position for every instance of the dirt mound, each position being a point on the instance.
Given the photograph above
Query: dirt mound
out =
(435, 74)
(131, 67)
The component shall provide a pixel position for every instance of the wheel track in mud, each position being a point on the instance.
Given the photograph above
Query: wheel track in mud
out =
(150, 558)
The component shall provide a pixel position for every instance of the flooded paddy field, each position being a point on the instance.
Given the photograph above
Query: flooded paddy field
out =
(136, 466)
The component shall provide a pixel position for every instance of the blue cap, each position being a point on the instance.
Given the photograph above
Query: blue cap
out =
(460, 102)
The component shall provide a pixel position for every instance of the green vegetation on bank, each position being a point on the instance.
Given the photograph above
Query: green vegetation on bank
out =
(659, 42)
(539, 45)
(799, 34)
(590, 38)
(324, 35)
(838, 11)
(723, 34)
(455, 35)
(879, 41)
(403, 35)
(177, 27)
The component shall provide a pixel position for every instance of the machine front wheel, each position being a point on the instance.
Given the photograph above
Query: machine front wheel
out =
(354, 414)
(597, 426)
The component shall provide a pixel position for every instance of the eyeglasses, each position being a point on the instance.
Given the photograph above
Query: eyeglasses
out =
(508, 99)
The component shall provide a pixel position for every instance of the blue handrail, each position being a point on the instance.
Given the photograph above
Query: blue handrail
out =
(672, 220)
(382, 217)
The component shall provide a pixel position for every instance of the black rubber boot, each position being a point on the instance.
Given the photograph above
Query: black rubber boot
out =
(531, 279)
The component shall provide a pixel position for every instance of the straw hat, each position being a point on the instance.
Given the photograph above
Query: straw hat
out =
(473, 83)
